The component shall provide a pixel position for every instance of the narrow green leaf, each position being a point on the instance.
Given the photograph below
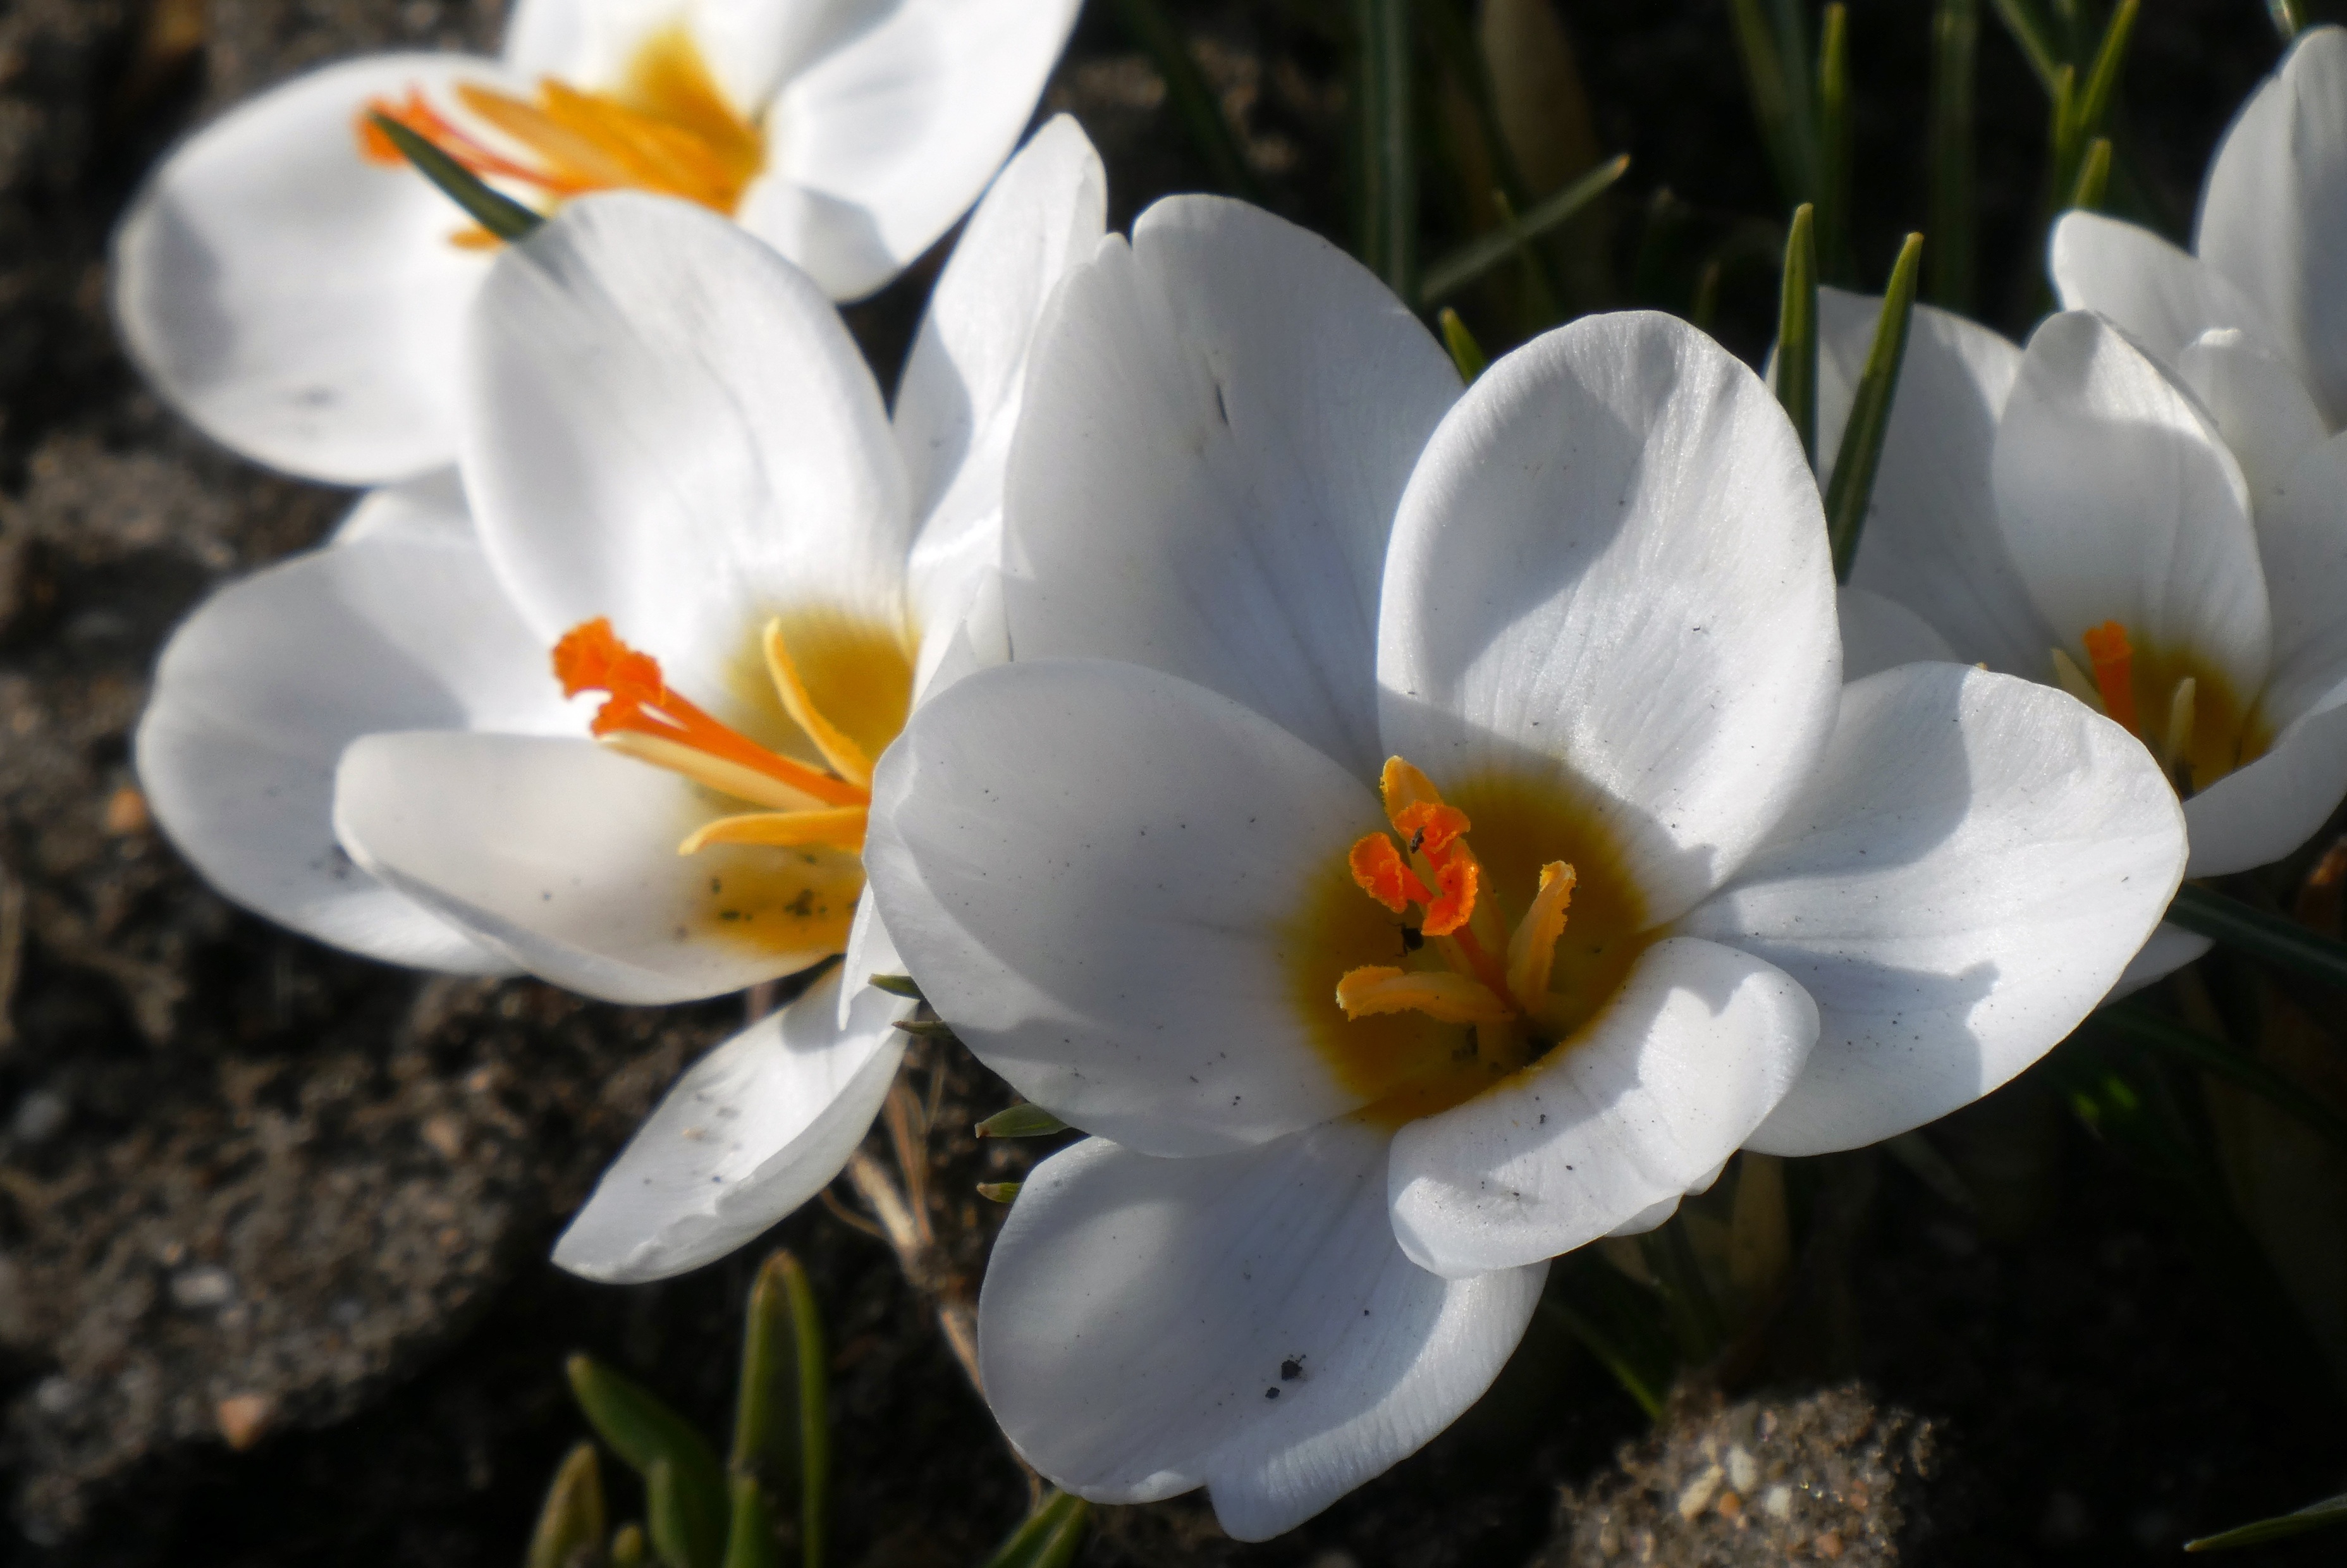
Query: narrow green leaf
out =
(814, 1412)
(628, 1547)
(1851, 489)
(2094, 176)
(1388, 148)
(1834, 150)
(573, 1519)
(898, 986)
(1695, 1312)
(1021, 1122)
(648, 1436)
(2029, 29)
(1047, 1538)
(2288, 16)
(1635, 1382)
(928, 1029)
(1955, 43)
(1201, 116)
(2277, 938)
(1924, 1162)
(1000, 1191)
(750, 1541)
(2331, 1510)
(500, 214)
(2139, 1025)
(1463, 266)
(2103, 82)
(1465, 352)
(2062, 145)
(1782, 109)
(1797, 331)
(761, 1437)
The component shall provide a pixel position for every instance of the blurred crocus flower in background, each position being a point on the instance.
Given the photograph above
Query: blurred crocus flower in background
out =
(292, 286)
(669, 439)
(1421, 834)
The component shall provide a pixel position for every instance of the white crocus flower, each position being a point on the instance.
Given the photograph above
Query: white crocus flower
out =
(672, 438)
(290, 285)
(1424, 832)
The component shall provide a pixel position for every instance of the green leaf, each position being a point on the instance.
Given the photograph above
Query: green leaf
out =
(1463, 266)
(1049, 1537)
(1465, 352)
(2035, 35)
(1388, 150)
(1834, 144)
(2330, 1511)
(814, 1411)
(1955, 43)
(928, 1029)
(1616, 1320)
(1154, 31)
(572, 1519)
(2103, 81)
(1780, 98)
(687, 1519)
(2136, 1024)
(628, 1547)
(2288, 16)
(1000, 1191)
(1851, 489)
(1694, 1314)
(898, 986)
(2094, 176)
(1021, 1122)
(750, 1542)
(2276, 938)
(764, 1441)
(500, 214)
(1797, 331)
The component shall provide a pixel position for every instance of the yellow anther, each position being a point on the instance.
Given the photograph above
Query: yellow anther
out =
(2074, 681)
(846, 758)
(2181, 704)
(836, 827)
(1440, 994)
(1532, 948)
(1404, 786)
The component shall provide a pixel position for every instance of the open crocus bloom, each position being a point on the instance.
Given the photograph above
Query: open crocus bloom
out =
(685, 491)
(1423, 833)
(287, 282)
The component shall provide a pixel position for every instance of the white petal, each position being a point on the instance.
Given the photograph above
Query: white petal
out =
(901, 126)
(1610, 570)
(1644, 1103)
(1095, 871)
(562, 856)
(1140, 1314)
(1879, 633)
(2260, 405)
(1220, 421)
(300, 303)
(668, 424)
(2170, 949)
(2120, 503)
(752, 1131)
(2274, 217)
(751, 46)
(2258, 813)
(870, 951)
(261, 689)
(429, 510)
(2157, 292)
(1974, 862)
(1932, 540)
(959, 401)
(2302, 537)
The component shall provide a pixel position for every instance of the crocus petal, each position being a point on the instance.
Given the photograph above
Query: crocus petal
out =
(2302, 537)
(1644, 1103)
(751, 46)
(1932, 539)
(2120, 503)
(1095, 871)
(2156, 291)
(1879, 633)
(870, 951)
(2261, 406)
(2274, 217)
(752, 1131)
(900, 126)
(300, 303)
(2170, 949)
(1141, 1319)
(1973, 865)
(959, 401)
(1610, 572)
(261, 689)
(2258, 813)
(562, 856)
(1220, 420)
(668, 424)
(429, 510)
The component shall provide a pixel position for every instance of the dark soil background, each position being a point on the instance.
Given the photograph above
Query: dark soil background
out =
(250, 1188)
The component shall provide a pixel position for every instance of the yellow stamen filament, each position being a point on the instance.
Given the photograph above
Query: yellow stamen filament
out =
(838, 827)
(1451, 998)
(845, 757)
(720, 774)
(2181, 704)
(1533, 950)
(2072, 680)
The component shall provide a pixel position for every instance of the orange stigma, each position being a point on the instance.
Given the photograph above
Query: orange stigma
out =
(2113, 665)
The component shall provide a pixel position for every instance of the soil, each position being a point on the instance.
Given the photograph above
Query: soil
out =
(273, 1220)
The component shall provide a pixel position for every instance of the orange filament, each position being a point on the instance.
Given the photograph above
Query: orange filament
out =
(2113, 665)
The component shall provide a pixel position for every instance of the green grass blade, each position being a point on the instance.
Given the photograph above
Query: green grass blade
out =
(1463, 266)
(1694, 1311)
(573, 1519)
(898, 986)
(648, 1436)
(2277, 938)
(1194, 101)
(2029, 30)
(2288, 16)
(2331, 1510)
(500, 214)
(1047, 1538)
(1797, 331)
(750, 1540)
(1021, 1122)
(1465, 352)
(628, 1546)
(1388, 148)
(814, 1411)
(1955, 193)
(762, 1440)
(1851, 489)
(1000, 1191)
(683, 1532)
(1783, 113)
(2139, 1025)
(2094, 176)
(2103, 82)
(1834, 151)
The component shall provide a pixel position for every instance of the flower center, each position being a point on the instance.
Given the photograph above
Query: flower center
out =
(1491, 964)
(2182, 711)
(667, 128)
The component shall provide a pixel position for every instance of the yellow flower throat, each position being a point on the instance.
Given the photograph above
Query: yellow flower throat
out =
(2183, 711)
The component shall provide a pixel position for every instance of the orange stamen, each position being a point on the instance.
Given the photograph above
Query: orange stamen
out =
(2113, 665)
(1449, 914)
(1379, 871)
(1429, 827)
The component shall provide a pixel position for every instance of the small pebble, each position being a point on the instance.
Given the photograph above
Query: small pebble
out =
(39, 1117)
(242, 1418)
(1779, 1502)
(1730, 1506)
(1743, 1469)
(127, 812)
(1828, 1545)
(1698, 1494)
(203, 1290)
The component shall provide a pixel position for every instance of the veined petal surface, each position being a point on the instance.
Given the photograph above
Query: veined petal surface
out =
(1609, 575)
(1968, 872)
(303, 305)
(1095, 871)
(2156, 291)
(1141, 1316)
(2261, 406)
(2302, 539)
(1221, 419)
(2262, 811)
(1879, 634)
(1644, 1103)
(751, 46)
(750, 1132)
